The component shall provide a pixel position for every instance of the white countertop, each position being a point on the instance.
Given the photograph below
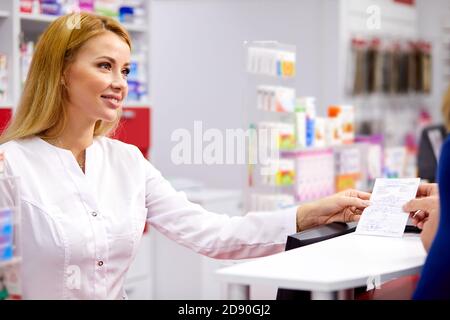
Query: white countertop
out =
(337, 264)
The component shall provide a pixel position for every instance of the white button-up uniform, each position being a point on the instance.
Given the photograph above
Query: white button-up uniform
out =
(80, 232)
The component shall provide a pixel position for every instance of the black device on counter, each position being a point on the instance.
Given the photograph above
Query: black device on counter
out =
(431, 141)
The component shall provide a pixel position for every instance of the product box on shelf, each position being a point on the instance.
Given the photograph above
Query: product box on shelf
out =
(6, 234)
(314, 173)
(348, 167)
(372, 158)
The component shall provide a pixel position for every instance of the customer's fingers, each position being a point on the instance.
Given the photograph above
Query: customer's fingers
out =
(347, 201)
(419, 215)
(427, 189)
(420, 224)
(415, 205)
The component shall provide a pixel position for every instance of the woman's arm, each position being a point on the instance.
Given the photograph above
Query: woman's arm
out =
(252, 235)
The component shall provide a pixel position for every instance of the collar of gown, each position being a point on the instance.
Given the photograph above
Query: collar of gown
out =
(67, 156)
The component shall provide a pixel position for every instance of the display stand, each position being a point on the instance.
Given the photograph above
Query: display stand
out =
(269, 103)
(10, 255)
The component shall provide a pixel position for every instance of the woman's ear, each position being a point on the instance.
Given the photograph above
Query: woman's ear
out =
(63, 78)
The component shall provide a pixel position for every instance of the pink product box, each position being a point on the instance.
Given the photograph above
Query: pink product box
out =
(315, 174)
(86, 5)
(26, 6)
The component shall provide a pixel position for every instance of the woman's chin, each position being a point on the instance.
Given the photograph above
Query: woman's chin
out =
(110, 116)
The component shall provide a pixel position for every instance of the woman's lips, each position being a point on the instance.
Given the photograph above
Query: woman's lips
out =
(112, 102)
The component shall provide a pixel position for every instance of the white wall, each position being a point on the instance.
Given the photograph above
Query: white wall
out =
(431, 19)
(198, 68)
(197, 61)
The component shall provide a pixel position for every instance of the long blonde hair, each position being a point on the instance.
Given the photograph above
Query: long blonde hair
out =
(446, 109)
(41, 109)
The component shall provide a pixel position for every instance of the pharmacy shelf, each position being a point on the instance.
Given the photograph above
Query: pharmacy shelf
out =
(135, 27)
(4, 14)
(44, 19)
(17, 26)
(11, 262)
(284, 152)
(5, 105)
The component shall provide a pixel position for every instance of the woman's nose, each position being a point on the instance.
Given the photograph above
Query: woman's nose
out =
(119, 82)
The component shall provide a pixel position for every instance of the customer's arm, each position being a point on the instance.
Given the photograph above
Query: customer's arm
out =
(435, 277)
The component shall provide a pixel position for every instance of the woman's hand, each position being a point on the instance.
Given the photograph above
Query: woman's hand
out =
(424, 211)
(345, 206)
(427, 200)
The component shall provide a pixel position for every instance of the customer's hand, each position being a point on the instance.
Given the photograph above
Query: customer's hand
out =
(427, 190)
(424, 211)
(345, 206)
(426, 202)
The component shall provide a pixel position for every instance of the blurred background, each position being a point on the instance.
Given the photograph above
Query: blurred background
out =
(353, 90)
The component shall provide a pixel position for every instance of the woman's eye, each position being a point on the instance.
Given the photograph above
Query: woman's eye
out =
(105, 65)
(126, 72)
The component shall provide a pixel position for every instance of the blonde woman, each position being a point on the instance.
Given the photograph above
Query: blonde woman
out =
(86, 198)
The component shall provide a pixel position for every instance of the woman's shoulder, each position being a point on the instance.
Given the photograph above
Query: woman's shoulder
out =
(116, 146)
(18, 145)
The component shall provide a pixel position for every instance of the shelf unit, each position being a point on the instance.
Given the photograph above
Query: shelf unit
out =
(10, 202)
(265, 72)
(4, 14)
(13, 23)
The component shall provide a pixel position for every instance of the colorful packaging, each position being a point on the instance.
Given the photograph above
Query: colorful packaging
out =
(348, 124)
(284, 99)
(277, 99)
(86, 5)
(286, 64)
(348, 167)
(320, 132)
(282, 173)
(314, 174)
(310, 108)
(126, 14)
(286, 139)
(272, 62)
(372, 159)
(51, 7)
(26, 6)
(285, 175)
(109, 8)
(277, 135)
(6, 234)
(334, 132)
(395, 160)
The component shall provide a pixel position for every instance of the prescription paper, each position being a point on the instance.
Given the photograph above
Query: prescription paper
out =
(385, 216)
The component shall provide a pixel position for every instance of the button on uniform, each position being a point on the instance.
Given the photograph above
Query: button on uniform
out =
(100, 263)
(94, 214)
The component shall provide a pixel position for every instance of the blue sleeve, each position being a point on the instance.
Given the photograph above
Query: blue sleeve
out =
(434, 282)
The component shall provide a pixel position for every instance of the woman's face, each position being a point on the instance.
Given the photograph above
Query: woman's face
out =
(96, 80)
